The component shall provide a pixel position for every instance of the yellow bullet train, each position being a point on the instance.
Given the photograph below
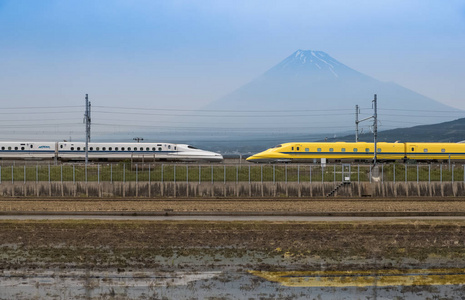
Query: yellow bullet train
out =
(342, 151)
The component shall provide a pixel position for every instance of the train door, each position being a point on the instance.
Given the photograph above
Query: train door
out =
(296, 148)
(412, 151)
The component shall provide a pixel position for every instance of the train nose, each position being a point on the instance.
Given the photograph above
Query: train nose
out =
(216, 156)
(252, 158)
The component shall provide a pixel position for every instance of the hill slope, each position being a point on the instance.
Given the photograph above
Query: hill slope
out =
(453, 131)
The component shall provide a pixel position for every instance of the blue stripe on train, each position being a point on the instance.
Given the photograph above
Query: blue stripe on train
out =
(371, 153)
(93, 151)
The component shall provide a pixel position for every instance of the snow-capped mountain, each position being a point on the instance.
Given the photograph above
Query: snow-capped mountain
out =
(312, 81)
(307, 62)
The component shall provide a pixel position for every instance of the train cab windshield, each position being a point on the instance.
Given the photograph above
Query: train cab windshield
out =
(278, 146)
(191, 147)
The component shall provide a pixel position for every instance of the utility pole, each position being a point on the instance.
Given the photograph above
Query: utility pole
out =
(375, 126)
(87, 120)
(356, 123)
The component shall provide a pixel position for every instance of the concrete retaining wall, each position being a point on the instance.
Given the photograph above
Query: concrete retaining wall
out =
(241, 189)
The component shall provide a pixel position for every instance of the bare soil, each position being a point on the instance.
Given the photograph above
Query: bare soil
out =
(162, 244)
(257, 245)
(287, 205)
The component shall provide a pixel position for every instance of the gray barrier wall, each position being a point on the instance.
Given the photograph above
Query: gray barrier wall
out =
(240, 189)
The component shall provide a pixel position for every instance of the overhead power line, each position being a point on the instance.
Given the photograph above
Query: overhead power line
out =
(40, 107)
(218, 110)
(220, 116)
(39, 112)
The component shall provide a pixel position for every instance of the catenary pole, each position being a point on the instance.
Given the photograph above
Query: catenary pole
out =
(375, 127)
(87, 120)
(356, 123)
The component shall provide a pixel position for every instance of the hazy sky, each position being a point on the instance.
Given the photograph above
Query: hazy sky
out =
(185, 54)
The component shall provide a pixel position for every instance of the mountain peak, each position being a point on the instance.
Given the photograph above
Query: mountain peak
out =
(310, 61)
(303, 54)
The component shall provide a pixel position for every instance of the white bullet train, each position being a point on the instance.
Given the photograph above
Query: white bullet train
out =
(75, 151)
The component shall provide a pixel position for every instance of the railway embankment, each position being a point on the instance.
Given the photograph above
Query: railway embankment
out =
(231, 190)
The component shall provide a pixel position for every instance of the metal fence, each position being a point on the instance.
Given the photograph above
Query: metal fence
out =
(126, 172)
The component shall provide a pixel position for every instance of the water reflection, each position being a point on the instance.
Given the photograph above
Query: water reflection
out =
(232, 284)
(380, 278)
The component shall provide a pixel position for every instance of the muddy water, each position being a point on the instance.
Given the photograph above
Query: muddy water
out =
(231, 283)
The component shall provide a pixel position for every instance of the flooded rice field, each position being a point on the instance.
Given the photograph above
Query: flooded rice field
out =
(91, 259)
(231, 284)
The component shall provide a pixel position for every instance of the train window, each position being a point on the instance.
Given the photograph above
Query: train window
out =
(72, 148)
(61, 146)
(355, 149)
(3, 148)
(97, 148)
(379, 149)
(367, 150)
(91, 148)
(292, 148)
(169, 146)
(298, 148)
(331, 149)
(9, 148)
(175, 148)
(319, 149)
(425, 150)
(103, 148)
(443, 150)
(413, 149)
(110, 148)
(129, 148)
(116, 148)
(32, 146)
(306, 149)
(141, 149)
(159, 148)
(78, 148)
(153, 148)
(147, 149)
(343, 150)
(16, 148)
(158, 144)
(22, 148)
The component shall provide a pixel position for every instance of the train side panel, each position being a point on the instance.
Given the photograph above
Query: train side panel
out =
(27, 150)
(331, 151)
(435, 151)
(390, 151)
(117, 151)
